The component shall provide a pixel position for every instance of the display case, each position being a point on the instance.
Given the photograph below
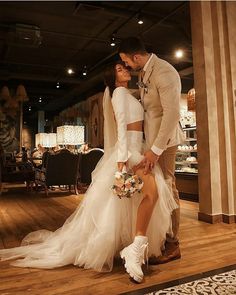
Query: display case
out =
(186, 158)
(186, 168)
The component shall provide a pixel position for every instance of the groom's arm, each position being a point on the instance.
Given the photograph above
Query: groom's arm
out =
(168, 85)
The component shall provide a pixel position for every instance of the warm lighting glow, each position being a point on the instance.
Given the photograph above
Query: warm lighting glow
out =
(70, 71)
(70, 135)
(140, 20)
(191, 100)
(21, 94)
(179, 53)
(46, 139)
(5, 93)
(113, 42)
(78, 134)
(85, 71)
(51, 140)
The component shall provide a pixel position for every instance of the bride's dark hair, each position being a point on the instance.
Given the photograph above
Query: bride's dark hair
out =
(110, 75)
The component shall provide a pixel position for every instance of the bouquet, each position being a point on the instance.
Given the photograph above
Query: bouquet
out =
(126, 184)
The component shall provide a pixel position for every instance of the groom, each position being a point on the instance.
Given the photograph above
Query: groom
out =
(160, 90)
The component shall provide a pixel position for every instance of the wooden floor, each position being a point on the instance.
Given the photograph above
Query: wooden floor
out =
(204, 247)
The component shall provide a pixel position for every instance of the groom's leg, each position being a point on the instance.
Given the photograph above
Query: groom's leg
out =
(167, 163)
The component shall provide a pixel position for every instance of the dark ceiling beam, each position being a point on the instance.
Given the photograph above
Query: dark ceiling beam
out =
(131, 16)
(122, 12)
(143, 32)
(102, 31)
(77, 36)
(44, 92)
(77, 94)
(7, 62)
(6, 76)
(83, 48)
(164, 19)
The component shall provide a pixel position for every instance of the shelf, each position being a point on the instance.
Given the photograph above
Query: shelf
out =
(186, 172)
(186, 162)
(190, 128)
(186, 151)
(183, 173)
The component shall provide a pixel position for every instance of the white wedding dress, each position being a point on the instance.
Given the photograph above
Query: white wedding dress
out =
(103, 224)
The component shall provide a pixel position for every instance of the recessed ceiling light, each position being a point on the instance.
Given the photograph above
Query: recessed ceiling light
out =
(70, 71)
(179, 53)
(113, 41)
(85, 71)
(140, 20)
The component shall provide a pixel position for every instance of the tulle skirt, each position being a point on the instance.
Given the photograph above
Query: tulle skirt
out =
(102, 224)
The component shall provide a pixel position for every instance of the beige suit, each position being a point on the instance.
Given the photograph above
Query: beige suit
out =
(161, 100)
(160, 95)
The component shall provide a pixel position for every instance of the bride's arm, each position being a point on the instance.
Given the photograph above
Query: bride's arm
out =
(119, 107)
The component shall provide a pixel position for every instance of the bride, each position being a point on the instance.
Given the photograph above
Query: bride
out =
(104, 226)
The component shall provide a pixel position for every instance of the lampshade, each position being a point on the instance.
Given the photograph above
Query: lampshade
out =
(46, 139)
(52, 140)
(70, 135)
(5, 93)
(78, 134)
(11, 103)
(21, 94)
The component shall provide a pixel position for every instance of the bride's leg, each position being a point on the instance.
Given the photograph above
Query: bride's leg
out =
(135, 252)
(150, 196)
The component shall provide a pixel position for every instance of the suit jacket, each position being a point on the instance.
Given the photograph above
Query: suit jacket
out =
(160, 95)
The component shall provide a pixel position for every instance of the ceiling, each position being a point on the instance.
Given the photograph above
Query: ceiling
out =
(40, 40)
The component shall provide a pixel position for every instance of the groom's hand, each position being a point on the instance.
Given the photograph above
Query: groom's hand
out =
(150, 161)
(120, 166)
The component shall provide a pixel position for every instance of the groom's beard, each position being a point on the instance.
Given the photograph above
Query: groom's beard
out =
(136, 69)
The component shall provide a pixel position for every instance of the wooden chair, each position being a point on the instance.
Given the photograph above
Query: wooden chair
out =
(14, 172)
(61, 169)
(88, 162)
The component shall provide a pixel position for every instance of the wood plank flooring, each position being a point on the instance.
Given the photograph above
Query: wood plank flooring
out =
(204, 247)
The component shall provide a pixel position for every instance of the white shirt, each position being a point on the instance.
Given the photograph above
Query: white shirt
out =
(147, 63)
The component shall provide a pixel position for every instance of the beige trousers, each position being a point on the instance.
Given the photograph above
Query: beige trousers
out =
(167, 163)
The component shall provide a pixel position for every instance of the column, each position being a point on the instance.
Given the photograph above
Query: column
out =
(41, 121)
(214, 61)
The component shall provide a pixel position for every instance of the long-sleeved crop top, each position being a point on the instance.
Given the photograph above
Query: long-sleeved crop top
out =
(127, 110)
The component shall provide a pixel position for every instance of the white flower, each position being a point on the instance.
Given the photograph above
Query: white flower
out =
(118, 175)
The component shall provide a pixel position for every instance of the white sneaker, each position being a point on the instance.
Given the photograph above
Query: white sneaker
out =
(134, 257)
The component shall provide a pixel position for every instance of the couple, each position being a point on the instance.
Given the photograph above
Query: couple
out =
(104, 226)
